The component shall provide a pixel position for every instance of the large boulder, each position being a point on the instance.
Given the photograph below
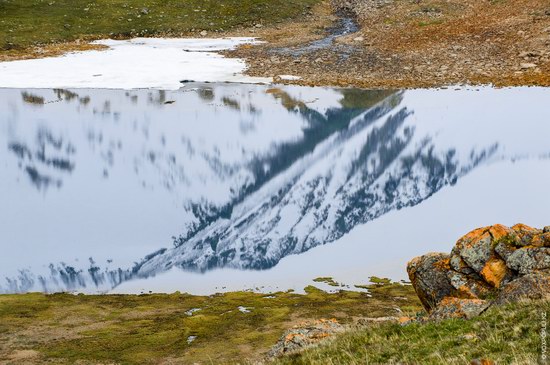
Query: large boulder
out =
(487, 263)
(428, 276)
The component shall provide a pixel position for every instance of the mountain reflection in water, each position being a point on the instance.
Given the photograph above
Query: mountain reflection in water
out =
(240, 175)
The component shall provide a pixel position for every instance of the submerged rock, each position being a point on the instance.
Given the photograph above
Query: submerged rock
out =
(499, 262)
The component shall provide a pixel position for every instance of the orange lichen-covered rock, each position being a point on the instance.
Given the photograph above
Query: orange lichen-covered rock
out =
(541, 240)
(451, 307)
(428, 275)
(529, 259)
(494, 261)
(304, 335)
(525, 233)
(533, 286)
(476, 251)
(469, 286)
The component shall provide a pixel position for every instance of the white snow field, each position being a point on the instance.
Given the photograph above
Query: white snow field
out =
(156, 63)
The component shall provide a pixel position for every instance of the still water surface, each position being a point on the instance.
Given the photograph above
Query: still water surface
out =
(224, 187)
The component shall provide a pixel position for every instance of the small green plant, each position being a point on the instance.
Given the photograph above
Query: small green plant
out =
(327, 280)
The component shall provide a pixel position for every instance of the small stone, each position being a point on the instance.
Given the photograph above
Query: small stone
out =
(144, 11)
(258, 25)
(305, 335)
(203, 33)
(526, 66)
(469, 337)
(359, 39)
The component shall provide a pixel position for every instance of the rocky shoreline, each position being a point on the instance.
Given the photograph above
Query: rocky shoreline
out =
(414, 44)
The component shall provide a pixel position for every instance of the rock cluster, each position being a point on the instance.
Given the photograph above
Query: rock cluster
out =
(304, 335)
(490, 265)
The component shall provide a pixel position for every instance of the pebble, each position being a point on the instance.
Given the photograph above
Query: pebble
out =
(525, 66)
(204, 33)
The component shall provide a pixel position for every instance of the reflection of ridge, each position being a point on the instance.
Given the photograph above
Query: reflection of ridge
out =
(302, 212)
(319, 128)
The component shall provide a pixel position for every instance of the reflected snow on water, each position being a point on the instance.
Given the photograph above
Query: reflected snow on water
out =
(105, 188)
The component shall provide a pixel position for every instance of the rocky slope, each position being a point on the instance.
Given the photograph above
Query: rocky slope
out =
(417, 44)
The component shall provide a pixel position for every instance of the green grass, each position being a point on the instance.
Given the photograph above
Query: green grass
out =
(150, 329)
(506, 335)
(26, 23)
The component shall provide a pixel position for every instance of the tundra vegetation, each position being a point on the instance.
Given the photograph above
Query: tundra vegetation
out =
(28, 24)
(142, 329)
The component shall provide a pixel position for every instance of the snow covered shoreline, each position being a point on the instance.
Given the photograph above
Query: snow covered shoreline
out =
(139, 63)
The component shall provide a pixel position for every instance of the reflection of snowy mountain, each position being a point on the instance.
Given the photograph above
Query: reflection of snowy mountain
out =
(375, 165)
(261, 173)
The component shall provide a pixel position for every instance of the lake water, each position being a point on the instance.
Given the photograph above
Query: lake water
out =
(218, 187)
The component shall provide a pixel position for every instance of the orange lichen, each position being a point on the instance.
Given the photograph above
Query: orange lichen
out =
(444, 264)
(473, 234)
(466, 292)
(520, 227)
(498, 231)
(291, 336)
(494, 271)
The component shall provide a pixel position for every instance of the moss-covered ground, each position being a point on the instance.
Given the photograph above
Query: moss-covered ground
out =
(228, 328)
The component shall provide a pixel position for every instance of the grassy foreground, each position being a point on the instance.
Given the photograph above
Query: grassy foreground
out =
(506, 335)
(27, 23)
(176, 328)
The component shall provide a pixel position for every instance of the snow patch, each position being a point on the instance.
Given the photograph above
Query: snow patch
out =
(157, 63)
(289, 77)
